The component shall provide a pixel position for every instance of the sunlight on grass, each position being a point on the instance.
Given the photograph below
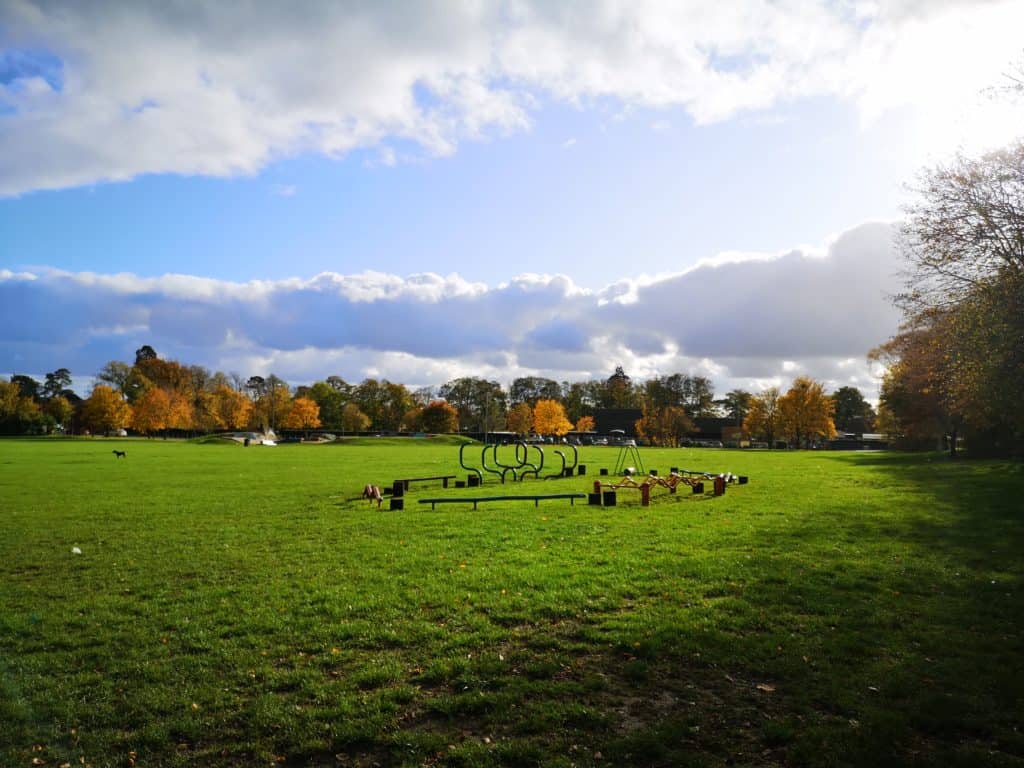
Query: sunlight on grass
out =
(236, 606)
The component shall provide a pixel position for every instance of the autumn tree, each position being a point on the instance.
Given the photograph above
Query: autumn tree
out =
(963, 305)
(549, 418)
(230, 408)
(520, 419)
(151, 411)
(60, 410)
(665, 426)
(912, 391)
(181, 414)
(353, 419)
(303, 414)
(439, 417)
(764, 420)
(19, 414)
(585, 424)
(272, 402)
(156, 372)
(105, 410)
(806, 412)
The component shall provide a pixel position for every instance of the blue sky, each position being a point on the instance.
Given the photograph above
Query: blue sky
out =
(582, 174)
(593, 198)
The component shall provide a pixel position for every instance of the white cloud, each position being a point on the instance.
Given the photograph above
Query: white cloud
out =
(134, 88)
(741, 321)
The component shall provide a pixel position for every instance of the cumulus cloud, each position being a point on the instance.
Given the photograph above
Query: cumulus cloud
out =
(107, 91)
(744, 322)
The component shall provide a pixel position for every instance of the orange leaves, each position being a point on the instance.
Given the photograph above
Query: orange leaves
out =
(585, 424)
(151, 411)
(439, 416)
(665, 426)
(520, 419)
(806, 411)
(549, 418)
(105, 410)
(303, 413)
(231, 409)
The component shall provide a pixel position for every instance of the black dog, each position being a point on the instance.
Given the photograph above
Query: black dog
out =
(120, 455)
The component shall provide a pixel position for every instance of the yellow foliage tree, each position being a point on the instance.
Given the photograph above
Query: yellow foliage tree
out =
(585, 424)
(149, 414)
(179, 412)
(806, 412)
(438, 416)
(230, 408)
(60, 409)
(105, 410)
(304, 414)
(272, 407)
(763, 420)
(520, 419)
(549, 418)
(665, 426)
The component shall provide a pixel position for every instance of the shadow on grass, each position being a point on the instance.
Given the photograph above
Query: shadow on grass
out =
(885, 632)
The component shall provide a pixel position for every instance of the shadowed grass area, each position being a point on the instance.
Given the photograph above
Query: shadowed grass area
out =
(243, 606)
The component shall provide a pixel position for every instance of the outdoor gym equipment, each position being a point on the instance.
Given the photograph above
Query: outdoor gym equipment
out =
(535, 498)
(627, 453)
(524, 464)
(466, 467)
(566, 470)
(729, 477)
(502, 469)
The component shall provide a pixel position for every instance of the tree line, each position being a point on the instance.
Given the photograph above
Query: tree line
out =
(955, 370)
(157, 396)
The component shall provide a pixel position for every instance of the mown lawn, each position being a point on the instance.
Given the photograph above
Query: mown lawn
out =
(242, 606)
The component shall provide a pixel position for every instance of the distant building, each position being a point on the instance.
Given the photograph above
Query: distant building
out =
(711, 428)
(607, 419)
(864, 442)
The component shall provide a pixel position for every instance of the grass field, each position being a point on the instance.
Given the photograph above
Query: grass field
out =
(242, 606)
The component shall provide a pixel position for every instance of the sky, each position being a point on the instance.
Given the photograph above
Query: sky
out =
(424, 190)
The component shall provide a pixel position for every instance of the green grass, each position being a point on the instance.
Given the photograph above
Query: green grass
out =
(243, 606)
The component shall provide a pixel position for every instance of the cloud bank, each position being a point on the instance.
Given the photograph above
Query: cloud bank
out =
(745, 321)
(108, 91)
